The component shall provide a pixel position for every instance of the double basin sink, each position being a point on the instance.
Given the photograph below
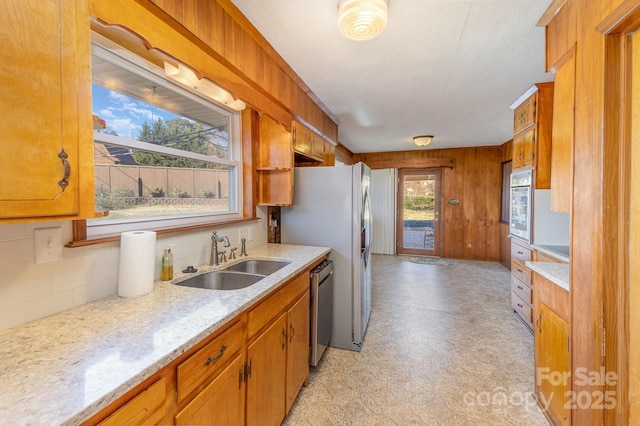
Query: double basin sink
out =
(237, 276)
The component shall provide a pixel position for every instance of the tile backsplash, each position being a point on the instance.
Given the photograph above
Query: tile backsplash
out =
(29, 291)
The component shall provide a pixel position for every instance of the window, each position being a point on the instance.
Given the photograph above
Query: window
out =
(165, 156)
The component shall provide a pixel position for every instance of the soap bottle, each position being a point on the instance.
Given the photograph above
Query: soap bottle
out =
(166, 271)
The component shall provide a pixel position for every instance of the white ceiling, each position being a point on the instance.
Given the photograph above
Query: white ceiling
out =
(450, 68)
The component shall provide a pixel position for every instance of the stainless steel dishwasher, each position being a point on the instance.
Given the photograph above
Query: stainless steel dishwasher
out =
(321, 309)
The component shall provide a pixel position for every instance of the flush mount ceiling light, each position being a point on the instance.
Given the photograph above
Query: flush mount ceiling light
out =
(423, 140)
(362, 19)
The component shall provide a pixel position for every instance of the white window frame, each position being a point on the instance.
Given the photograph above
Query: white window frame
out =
(133, 63)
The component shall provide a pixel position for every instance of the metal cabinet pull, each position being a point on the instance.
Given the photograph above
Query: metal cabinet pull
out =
(293, 331)
(217, 357)
(64, 182)
(284, 338)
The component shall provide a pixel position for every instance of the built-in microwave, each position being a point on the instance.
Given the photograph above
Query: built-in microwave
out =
(521, 204)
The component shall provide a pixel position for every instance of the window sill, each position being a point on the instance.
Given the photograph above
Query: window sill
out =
(115, 238)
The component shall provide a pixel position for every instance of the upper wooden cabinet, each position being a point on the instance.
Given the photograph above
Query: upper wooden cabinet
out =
(274, 164)
(533, 114)
(560, 22)
(307, 143)
(562, 134)
(560, 26)
(47, 159)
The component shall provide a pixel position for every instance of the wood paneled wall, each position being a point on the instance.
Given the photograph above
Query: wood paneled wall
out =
(470, 229)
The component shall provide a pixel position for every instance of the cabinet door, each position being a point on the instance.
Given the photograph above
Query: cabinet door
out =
(317, 148)
(562, 135)
(552, 362)
(525, 114)
(298, 348)
(266, 383)
(528, 147)
(516, 157)
(46, 110)
(221, 402)
(302, 139)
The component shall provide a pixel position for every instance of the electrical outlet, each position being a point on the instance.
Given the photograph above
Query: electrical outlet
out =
(243, 233)
(48, 245)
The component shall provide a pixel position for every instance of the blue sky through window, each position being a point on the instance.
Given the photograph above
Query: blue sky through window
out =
(123, 114)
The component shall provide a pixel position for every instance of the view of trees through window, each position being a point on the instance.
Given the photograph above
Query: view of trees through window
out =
(159, 150)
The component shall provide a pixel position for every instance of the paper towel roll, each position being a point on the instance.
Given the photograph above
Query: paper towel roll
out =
(137, 263)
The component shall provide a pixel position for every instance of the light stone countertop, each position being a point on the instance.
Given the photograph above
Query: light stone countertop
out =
(557, 273)
(559, 252)
(64, 368)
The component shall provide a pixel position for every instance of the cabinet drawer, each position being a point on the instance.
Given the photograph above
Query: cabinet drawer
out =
(522, 309)
(208, 360)
(521, 272)
(523, 291)
(144, 408)
(266, 311)
(519, 253)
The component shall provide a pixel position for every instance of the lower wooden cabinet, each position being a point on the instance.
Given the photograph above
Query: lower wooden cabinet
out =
(281, 365)
(297, 348)
(247, 373)
(266, 381)
(144, 408)
(521, 284)
(221, 402)
(552, 363)
(552, 334)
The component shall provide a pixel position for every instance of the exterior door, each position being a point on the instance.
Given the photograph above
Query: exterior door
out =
(418, 220)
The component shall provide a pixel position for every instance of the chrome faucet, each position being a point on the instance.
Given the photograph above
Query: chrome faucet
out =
(243, 247)
(215, 239)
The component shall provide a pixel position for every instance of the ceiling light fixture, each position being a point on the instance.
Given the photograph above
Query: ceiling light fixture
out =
(362, 19)
(208, 88)
(423, 140)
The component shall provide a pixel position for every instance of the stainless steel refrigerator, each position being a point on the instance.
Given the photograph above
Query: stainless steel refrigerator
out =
(332, 208)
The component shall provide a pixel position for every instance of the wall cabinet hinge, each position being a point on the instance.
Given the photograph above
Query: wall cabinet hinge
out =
(247, 370)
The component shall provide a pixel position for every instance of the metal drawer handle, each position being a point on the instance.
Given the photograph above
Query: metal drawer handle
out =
(520, 287)
(520, 270)
(217, 357)
(519, 305)
(293, 331)
(520, 252)
(64, 182)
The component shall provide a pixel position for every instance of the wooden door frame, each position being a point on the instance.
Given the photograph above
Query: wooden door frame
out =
(621, 343)
(437, 227)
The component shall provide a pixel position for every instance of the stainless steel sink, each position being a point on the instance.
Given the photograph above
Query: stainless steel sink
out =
(258, 266)
(222, 280)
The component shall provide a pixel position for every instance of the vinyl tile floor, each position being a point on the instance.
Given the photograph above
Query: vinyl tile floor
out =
(443, 347)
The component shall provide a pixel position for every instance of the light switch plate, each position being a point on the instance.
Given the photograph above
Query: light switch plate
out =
(250, 234)
(48, 245)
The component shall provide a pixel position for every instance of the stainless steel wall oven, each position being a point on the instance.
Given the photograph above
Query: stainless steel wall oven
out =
(521, 204)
